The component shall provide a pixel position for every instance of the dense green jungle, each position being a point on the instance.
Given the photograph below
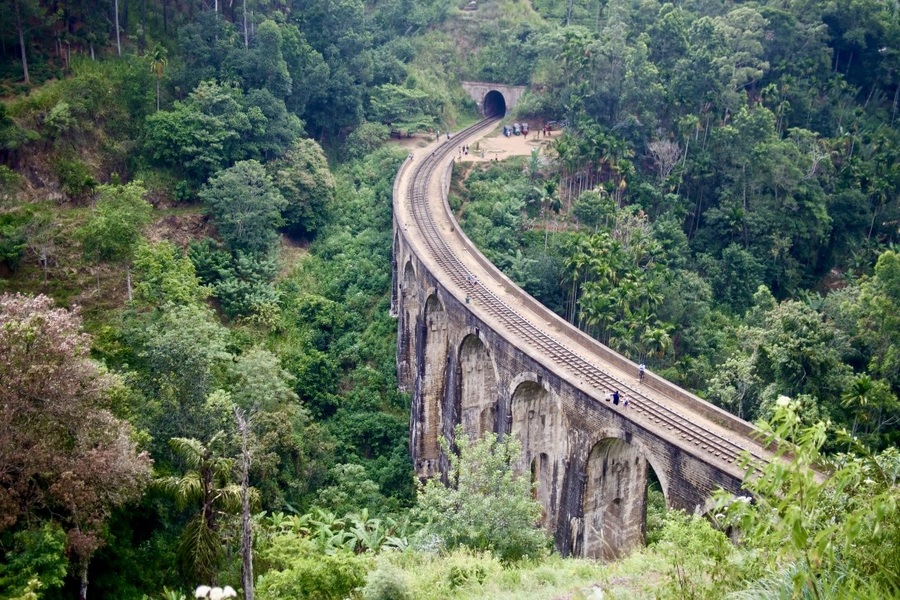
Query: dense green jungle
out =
(195, 274)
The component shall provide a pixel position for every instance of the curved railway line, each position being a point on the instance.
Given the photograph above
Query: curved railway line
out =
(644, 409)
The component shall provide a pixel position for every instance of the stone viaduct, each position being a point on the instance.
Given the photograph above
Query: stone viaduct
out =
(493, 99)
(474, 349)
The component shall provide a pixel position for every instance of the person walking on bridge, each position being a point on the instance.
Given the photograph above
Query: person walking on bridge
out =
(641, 368)
(616, 397)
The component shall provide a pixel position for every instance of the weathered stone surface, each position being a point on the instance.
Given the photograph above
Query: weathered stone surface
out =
(479, 90)
(589, 461)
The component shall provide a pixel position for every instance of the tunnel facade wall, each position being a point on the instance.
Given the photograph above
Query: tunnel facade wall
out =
(477, 90)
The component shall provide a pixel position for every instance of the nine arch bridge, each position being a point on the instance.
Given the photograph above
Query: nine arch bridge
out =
(474, 349)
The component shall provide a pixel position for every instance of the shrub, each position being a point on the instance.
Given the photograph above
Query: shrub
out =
(365, 139)
(386, 583)
(300, 572)
(75, 178)
(699, 558)
(491, 507)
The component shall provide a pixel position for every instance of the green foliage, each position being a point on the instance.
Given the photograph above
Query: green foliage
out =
(364, 139)
(13, 237)
(258, 383)
(304, 180)
(335, 335)
(34, 554)
(246, 207)
(211, 262)
(699, 558)
(879, 302)
(75, 178)
(9, 179)
(264, 66)
(463, 573)
(180, 352)
(297, 570)
(245, 287)
(59, 120)
(356, 532)
(840, 533)
(656, 514)
(351, 492)
(207, 484)
(386, 582)
(490, 507)
(402, 107)
(163, 275)
(217, 126)
(114, 229)
(618, 279)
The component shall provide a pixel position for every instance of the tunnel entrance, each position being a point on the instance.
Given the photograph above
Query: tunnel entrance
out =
(494, 104)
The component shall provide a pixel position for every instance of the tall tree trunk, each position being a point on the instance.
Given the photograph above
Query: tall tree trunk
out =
(157, 94)
(246, 35)
(246, 531)
(83, 587)
(118, 35)
(896, 97)
(21, 31)
(143, 24)
(44, 260)
(128, 281)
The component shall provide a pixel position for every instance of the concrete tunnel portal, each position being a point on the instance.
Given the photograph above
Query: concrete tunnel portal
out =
(494, 104)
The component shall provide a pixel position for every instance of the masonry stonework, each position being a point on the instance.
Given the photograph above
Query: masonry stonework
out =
(479, 90)
(591, 464)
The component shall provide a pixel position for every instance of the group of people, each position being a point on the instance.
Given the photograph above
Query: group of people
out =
(616, 397)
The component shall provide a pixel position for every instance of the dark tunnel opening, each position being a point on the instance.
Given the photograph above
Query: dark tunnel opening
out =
(494, 104)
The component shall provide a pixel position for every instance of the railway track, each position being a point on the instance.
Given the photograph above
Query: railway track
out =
(643, 409)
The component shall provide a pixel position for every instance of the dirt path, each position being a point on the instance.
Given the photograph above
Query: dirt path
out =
(494, 145)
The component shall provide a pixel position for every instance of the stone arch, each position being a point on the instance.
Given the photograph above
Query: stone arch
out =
(614, 501)
(477, 388)
(406, 360)
(431, 389)
(395, 251)
(537, 419)
(409, 278)
(494, 104)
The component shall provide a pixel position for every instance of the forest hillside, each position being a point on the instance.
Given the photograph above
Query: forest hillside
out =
(197, 363)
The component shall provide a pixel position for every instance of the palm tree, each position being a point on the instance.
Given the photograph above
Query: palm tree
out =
(158, 62)
(549, 199)
(207, 484)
